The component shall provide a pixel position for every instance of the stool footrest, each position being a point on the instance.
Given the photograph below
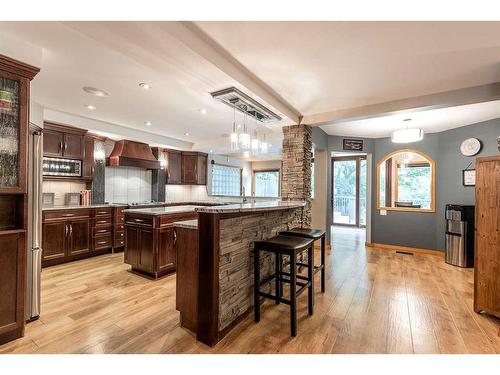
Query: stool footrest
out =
(270, 296)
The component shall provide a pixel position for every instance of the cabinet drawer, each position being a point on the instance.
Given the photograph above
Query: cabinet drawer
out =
(66, 214)
(103, 211)
(120, 219)
(102, 231)
(120, 235)
(102, 221)
(135, 220)
(119, 227)
(172, 218)
(102, 242)
(119, 243)
(119, 211)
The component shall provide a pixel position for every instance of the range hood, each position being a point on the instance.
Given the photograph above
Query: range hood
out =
(132, 154)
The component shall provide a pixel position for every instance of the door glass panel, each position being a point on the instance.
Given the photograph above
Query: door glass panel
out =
(362, 192)
(9, 133)
(344, 192)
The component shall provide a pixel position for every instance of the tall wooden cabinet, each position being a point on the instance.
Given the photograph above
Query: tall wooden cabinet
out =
(15, 79)
(487, 251)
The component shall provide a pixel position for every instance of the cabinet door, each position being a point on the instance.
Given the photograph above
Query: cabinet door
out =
(189, 165)
(73, 146)
(166, 251)
(146, 250)
(79, 234)
(12, 276)
(174, 168)
(53, 142)
(54, 238)
(131, 245)
(88, 158)
(201, 171)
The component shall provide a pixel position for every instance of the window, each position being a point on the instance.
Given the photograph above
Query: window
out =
(226, 180)
(266, 183)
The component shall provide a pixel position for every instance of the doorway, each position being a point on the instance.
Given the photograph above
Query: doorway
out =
(349, 182)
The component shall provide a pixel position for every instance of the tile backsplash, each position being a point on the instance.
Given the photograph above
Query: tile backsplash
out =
(60, 188)
(124, 185)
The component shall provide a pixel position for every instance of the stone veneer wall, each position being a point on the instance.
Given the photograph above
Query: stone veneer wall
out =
(296, 170)
(236, 258)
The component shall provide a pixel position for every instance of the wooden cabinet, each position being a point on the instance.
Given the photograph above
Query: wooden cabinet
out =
(189, 168)
(149, 242)
(487, 241)
(78, 233)
(194, 168)
(174, 167)
(15, 79)
(166, 251)
(88, 158)
(63, 141)
(12, 285)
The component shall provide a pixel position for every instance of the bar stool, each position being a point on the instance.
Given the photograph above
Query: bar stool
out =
(292, 246)
(314, 234)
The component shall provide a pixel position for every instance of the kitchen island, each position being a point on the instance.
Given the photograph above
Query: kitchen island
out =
(149, 238)
(224, 264)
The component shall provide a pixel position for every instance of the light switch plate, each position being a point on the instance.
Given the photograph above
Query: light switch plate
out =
(383, 212)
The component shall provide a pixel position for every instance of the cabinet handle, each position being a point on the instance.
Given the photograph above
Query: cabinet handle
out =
(102, 221)
(102, 230)
(66, 230)
(175, 236)
(102, 242)
(68, 215)
(102, 212)
(139, 220)
(65, 146)
(60, 146)
(71, 229)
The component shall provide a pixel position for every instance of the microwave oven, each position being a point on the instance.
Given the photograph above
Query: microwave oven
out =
(62, 167)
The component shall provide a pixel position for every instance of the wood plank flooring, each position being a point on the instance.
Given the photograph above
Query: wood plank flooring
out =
(377, 301)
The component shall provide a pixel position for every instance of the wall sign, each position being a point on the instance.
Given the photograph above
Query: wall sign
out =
(469, 177)
(353, 144)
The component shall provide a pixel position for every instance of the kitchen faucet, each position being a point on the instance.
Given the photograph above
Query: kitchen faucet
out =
(243, 194)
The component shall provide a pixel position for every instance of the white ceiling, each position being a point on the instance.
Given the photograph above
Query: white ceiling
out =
(316, 67)
(431, 120)
(325, 66)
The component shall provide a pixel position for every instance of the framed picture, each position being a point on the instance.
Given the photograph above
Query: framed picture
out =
(352, 144)
(469, 177)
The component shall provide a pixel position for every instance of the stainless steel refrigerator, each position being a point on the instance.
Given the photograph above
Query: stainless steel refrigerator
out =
(34, 243)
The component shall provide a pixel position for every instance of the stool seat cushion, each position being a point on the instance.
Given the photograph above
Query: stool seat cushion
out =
(281, 242)
(304, 232)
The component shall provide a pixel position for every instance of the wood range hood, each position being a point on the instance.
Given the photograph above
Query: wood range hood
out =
(132, 154)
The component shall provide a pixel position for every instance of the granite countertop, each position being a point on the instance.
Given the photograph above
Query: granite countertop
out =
(253, 207)
(157, 211)
(189, 224)
(66, 207)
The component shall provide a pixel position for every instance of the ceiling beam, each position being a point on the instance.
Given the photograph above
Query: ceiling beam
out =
(202, 44)
(468, 95)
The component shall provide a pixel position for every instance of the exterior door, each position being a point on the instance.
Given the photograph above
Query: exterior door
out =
(349, 190)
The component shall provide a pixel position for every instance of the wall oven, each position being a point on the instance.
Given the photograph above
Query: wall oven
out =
(62, 167)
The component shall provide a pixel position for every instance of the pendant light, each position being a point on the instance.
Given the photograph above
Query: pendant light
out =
(263, 145)
(234, 134)
(407, 135)
(244, 137)
(255, 144)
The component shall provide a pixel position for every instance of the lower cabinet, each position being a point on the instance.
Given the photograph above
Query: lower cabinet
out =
(79, 236)
(54, 240)
(138, 245)
(12, 285)
(166, 250)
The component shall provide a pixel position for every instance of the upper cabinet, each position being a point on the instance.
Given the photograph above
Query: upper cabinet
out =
(194, 168)
(173, 167)
(63, 142)
(15, 79)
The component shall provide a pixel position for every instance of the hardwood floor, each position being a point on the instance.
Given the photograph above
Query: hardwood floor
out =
(377, 301)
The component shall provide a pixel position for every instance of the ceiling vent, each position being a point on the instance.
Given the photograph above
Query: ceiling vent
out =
(242, 102)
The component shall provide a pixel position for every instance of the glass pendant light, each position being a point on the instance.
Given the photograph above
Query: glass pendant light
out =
(234, 134)
(244, 137)
(255, 142)
(263, 145)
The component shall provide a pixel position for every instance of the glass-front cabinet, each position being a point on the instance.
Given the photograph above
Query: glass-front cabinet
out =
(10, 134)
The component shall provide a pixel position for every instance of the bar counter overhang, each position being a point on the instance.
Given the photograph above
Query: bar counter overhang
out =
(225, 258)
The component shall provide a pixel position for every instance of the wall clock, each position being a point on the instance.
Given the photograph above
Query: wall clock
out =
(470, 147)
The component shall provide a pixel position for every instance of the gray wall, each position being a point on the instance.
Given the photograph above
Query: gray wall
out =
(421, 230)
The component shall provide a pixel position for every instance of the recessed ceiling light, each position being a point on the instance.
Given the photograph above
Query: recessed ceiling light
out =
(90, 107)
(95, 91)
(148, 123)
(203, 111)
(186, 134)
(145, 86)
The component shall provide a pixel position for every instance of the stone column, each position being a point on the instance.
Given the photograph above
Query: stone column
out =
(296, 167)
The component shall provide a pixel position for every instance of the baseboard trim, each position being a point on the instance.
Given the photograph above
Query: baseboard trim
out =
(404, 248)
